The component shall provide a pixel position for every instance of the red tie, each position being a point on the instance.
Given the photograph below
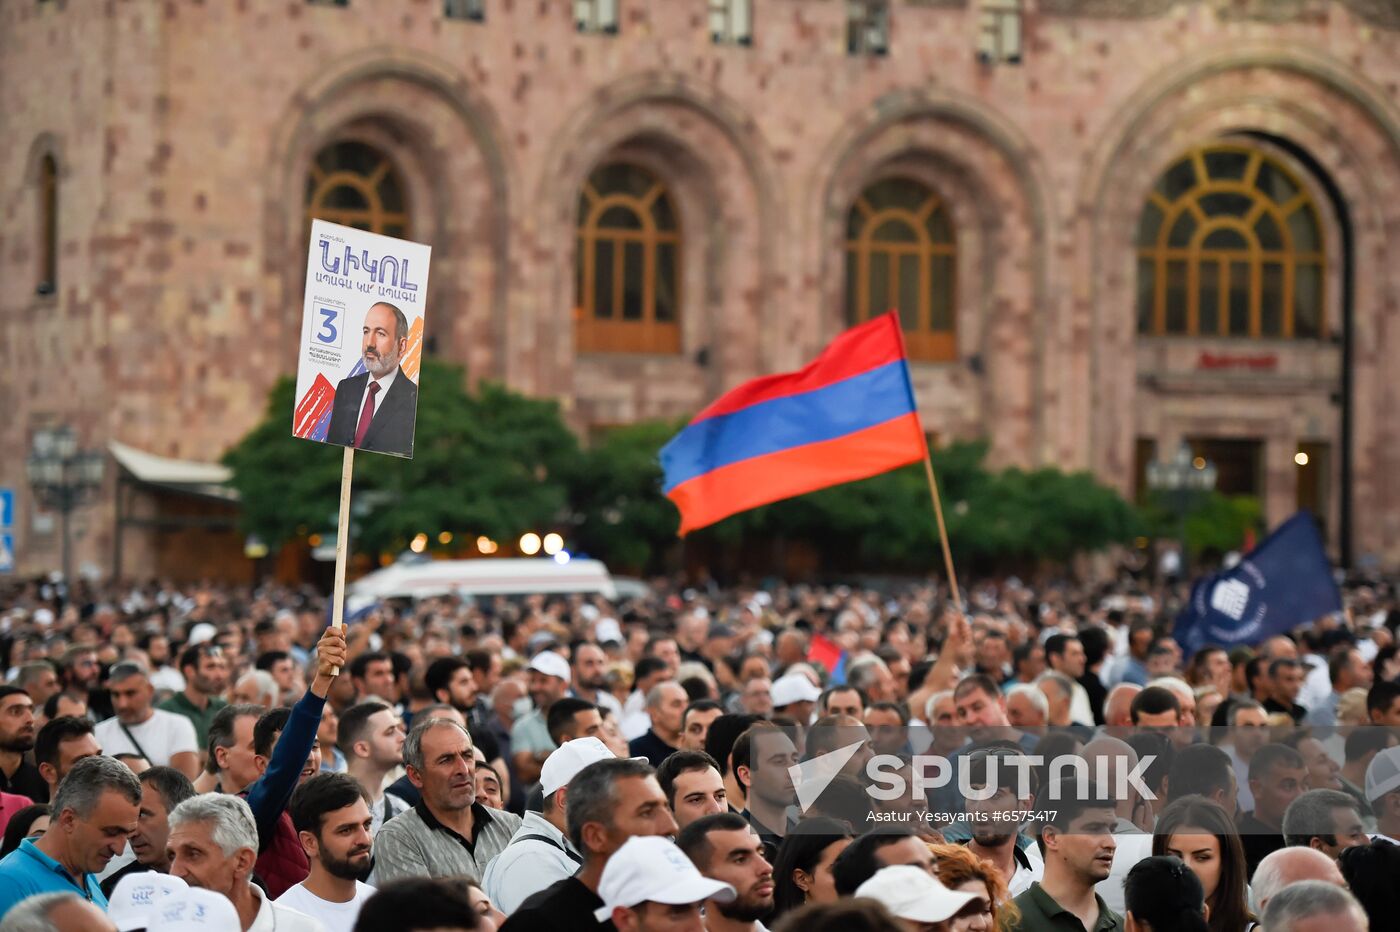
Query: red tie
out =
(366, 414)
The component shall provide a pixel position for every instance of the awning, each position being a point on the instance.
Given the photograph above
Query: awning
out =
(209, 479)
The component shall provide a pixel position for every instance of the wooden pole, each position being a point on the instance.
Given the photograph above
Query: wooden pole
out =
(342, 539)
(942, 528)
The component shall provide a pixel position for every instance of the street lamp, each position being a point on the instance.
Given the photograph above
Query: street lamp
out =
(1180, 479)
(63, 478)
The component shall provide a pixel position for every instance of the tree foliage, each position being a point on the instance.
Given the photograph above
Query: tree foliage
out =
(1212, 524)
(488, 461)
(996, 520)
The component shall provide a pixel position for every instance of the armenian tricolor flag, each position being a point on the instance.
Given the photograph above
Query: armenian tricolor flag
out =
(847, 415)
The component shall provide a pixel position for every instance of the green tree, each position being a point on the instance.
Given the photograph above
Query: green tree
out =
(488, 461)
(620, 514)
(1212, 524)
(995, 520)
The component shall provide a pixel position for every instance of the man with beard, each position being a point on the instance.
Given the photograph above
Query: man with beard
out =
(162, 789)
(82, 679)
(726, 849)
(590, 677)
(93, 812)
(331, 814)
(16, 737)
(371, 738)
(996, 836)
(375, 410)
(450, 680)
(206, 677)
(1077, 843)
(213, 845)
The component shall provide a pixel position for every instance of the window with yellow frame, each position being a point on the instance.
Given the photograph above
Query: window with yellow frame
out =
(901, 254)
(627, 263)
(1229, 245)
(355, 185)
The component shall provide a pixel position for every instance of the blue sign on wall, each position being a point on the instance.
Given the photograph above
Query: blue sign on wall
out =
(7, 508)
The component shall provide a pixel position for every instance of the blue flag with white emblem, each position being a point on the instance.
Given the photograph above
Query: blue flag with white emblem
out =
(1284, 582)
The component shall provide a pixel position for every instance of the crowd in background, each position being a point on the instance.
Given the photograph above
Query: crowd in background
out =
(567, 762)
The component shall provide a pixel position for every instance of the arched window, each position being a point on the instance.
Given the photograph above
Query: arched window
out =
(628, 263)
(1229, 245)
(355, 185)
(901, 254)
(48, 225)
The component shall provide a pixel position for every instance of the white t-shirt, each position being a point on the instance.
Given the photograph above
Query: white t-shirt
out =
(161, 737)
(336, 917)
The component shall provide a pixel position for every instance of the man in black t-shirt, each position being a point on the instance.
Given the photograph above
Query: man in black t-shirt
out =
(17, 737)
(609, 802)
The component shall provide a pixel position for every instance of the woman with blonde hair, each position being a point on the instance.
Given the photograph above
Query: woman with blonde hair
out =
(960, 870)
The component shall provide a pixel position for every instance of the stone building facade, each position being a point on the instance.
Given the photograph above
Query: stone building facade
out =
(1110, 226)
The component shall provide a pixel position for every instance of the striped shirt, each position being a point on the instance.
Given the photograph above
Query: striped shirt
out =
(416, 844)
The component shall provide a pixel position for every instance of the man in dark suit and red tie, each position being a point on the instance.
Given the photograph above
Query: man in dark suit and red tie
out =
(376, 409)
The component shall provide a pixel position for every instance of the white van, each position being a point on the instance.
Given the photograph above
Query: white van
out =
(421, 579)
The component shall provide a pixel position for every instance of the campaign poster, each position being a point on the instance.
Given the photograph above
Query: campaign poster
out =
(361, 340)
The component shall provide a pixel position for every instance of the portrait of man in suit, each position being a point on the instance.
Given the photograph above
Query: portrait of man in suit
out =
(375, 410)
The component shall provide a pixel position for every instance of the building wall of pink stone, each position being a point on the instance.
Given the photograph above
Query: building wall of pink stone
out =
(184, 130)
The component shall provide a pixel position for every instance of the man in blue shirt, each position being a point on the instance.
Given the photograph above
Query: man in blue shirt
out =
(94, 811)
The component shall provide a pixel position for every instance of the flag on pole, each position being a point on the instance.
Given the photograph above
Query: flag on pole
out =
(1284, 582)
(847, 415)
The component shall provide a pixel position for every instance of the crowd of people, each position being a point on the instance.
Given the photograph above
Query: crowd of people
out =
(732, 759)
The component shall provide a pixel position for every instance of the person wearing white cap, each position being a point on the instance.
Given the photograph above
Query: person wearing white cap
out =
(650, 885)
(194, 910)
(530, 742)
(540, 853)
(795, 697)
(135, 895)
(1383, 793)
(917, 899)
(214, 845)
(610, 801)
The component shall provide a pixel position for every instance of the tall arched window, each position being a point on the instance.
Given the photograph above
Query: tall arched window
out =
(1229, 245)
(355, 185)
(901, 254)
(628, 263)
(48, 225)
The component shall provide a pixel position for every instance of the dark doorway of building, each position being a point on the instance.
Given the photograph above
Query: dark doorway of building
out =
(1238, 462)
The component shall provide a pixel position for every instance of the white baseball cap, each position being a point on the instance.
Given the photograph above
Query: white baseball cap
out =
(137, 894)
(1383, 774)
(794, 687)
(194, 910)
(565, 761)
(913, 894)
(201, 632)
(550, 664)
(651, 869)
